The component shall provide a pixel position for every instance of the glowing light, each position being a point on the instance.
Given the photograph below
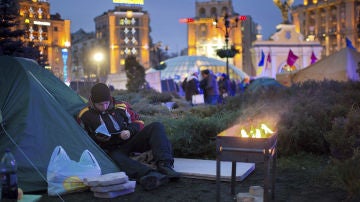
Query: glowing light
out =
(262, 132)
(131, 2)
(42, 23)
(129, 14)
(67, 44)
(257, 133)
(186, 20)
(64, 53)
(98, 57)
(242, 17)
(266, 129)
(244, 133)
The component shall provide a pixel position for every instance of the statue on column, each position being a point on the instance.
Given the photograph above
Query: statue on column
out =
(285, 9)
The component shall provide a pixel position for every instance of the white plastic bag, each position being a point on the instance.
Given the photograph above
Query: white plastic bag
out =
(65, 175)
(198, 99)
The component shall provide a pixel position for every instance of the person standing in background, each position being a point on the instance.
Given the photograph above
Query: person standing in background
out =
(191, 86)
(224, 87)
(210, 87)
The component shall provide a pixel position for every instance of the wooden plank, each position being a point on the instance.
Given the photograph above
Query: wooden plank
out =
(206, 169)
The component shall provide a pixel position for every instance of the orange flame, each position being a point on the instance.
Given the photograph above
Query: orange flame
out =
(262, 132)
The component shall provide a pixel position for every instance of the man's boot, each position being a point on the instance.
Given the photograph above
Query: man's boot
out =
(167, 168)
(153, 180)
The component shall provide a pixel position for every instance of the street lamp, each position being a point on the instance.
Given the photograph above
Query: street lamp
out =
(98, 57)
(158, 54)
(226, 52)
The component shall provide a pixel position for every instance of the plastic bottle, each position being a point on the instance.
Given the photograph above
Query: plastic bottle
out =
(8, 177)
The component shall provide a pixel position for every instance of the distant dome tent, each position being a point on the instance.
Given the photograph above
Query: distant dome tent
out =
(178, 68)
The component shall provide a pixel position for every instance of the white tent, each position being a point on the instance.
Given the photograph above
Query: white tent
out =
(340, 66)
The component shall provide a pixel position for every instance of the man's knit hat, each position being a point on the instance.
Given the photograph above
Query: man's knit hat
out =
(100, 93)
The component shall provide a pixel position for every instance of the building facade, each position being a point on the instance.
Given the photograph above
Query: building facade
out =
(121, 32)
(249, 30)
(49, 33)
(84, 46)
(275, 53)
(205, 37)
(330, 22)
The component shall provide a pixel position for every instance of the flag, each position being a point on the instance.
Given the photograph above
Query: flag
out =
(349, 44)
(291, 58)
(268, 60)
(313, 58)
(262, 60)
(259, 71)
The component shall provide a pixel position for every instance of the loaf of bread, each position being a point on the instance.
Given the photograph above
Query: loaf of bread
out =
(107, 179)
(114, 187)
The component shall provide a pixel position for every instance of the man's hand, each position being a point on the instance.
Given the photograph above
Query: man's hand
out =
(125, 134)
(102, 137)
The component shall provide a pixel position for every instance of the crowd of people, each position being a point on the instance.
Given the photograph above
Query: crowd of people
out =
(214, 87)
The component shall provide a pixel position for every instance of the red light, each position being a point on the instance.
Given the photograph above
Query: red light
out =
(186, 20)
(242, 17)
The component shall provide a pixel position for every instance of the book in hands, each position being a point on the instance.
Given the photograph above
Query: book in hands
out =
(102, 130)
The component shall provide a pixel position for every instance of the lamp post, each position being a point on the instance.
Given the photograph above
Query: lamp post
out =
(158, 53)
(228, 26)
(98, 57)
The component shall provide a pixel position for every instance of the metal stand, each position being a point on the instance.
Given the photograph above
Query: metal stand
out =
(235, 154)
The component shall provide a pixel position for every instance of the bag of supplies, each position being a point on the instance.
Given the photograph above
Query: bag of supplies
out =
(66, 176)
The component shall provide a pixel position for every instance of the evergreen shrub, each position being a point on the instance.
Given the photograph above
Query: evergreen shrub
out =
(193, 137)
(144, 108)
(348, 175)
(124, 95)
(312, 109)
(156, 97)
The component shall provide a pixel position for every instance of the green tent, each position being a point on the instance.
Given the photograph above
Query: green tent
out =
(37, 113)
(263, 83)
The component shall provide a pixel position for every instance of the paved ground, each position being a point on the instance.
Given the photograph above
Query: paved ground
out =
(291, 186)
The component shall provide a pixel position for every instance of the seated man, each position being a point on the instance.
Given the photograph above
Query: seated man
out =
(122, 134)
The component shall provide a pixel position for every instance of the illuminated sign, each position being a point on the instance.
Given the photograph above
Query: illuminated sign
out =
(242, 17)
(186, 20)
(42, 23)
(206, 20)
(64, 54)
(128, 13)
(131, 2)
(200, 20)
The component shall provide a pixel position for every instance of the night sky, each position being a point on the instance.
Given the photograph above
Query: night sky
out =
(165, 15)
